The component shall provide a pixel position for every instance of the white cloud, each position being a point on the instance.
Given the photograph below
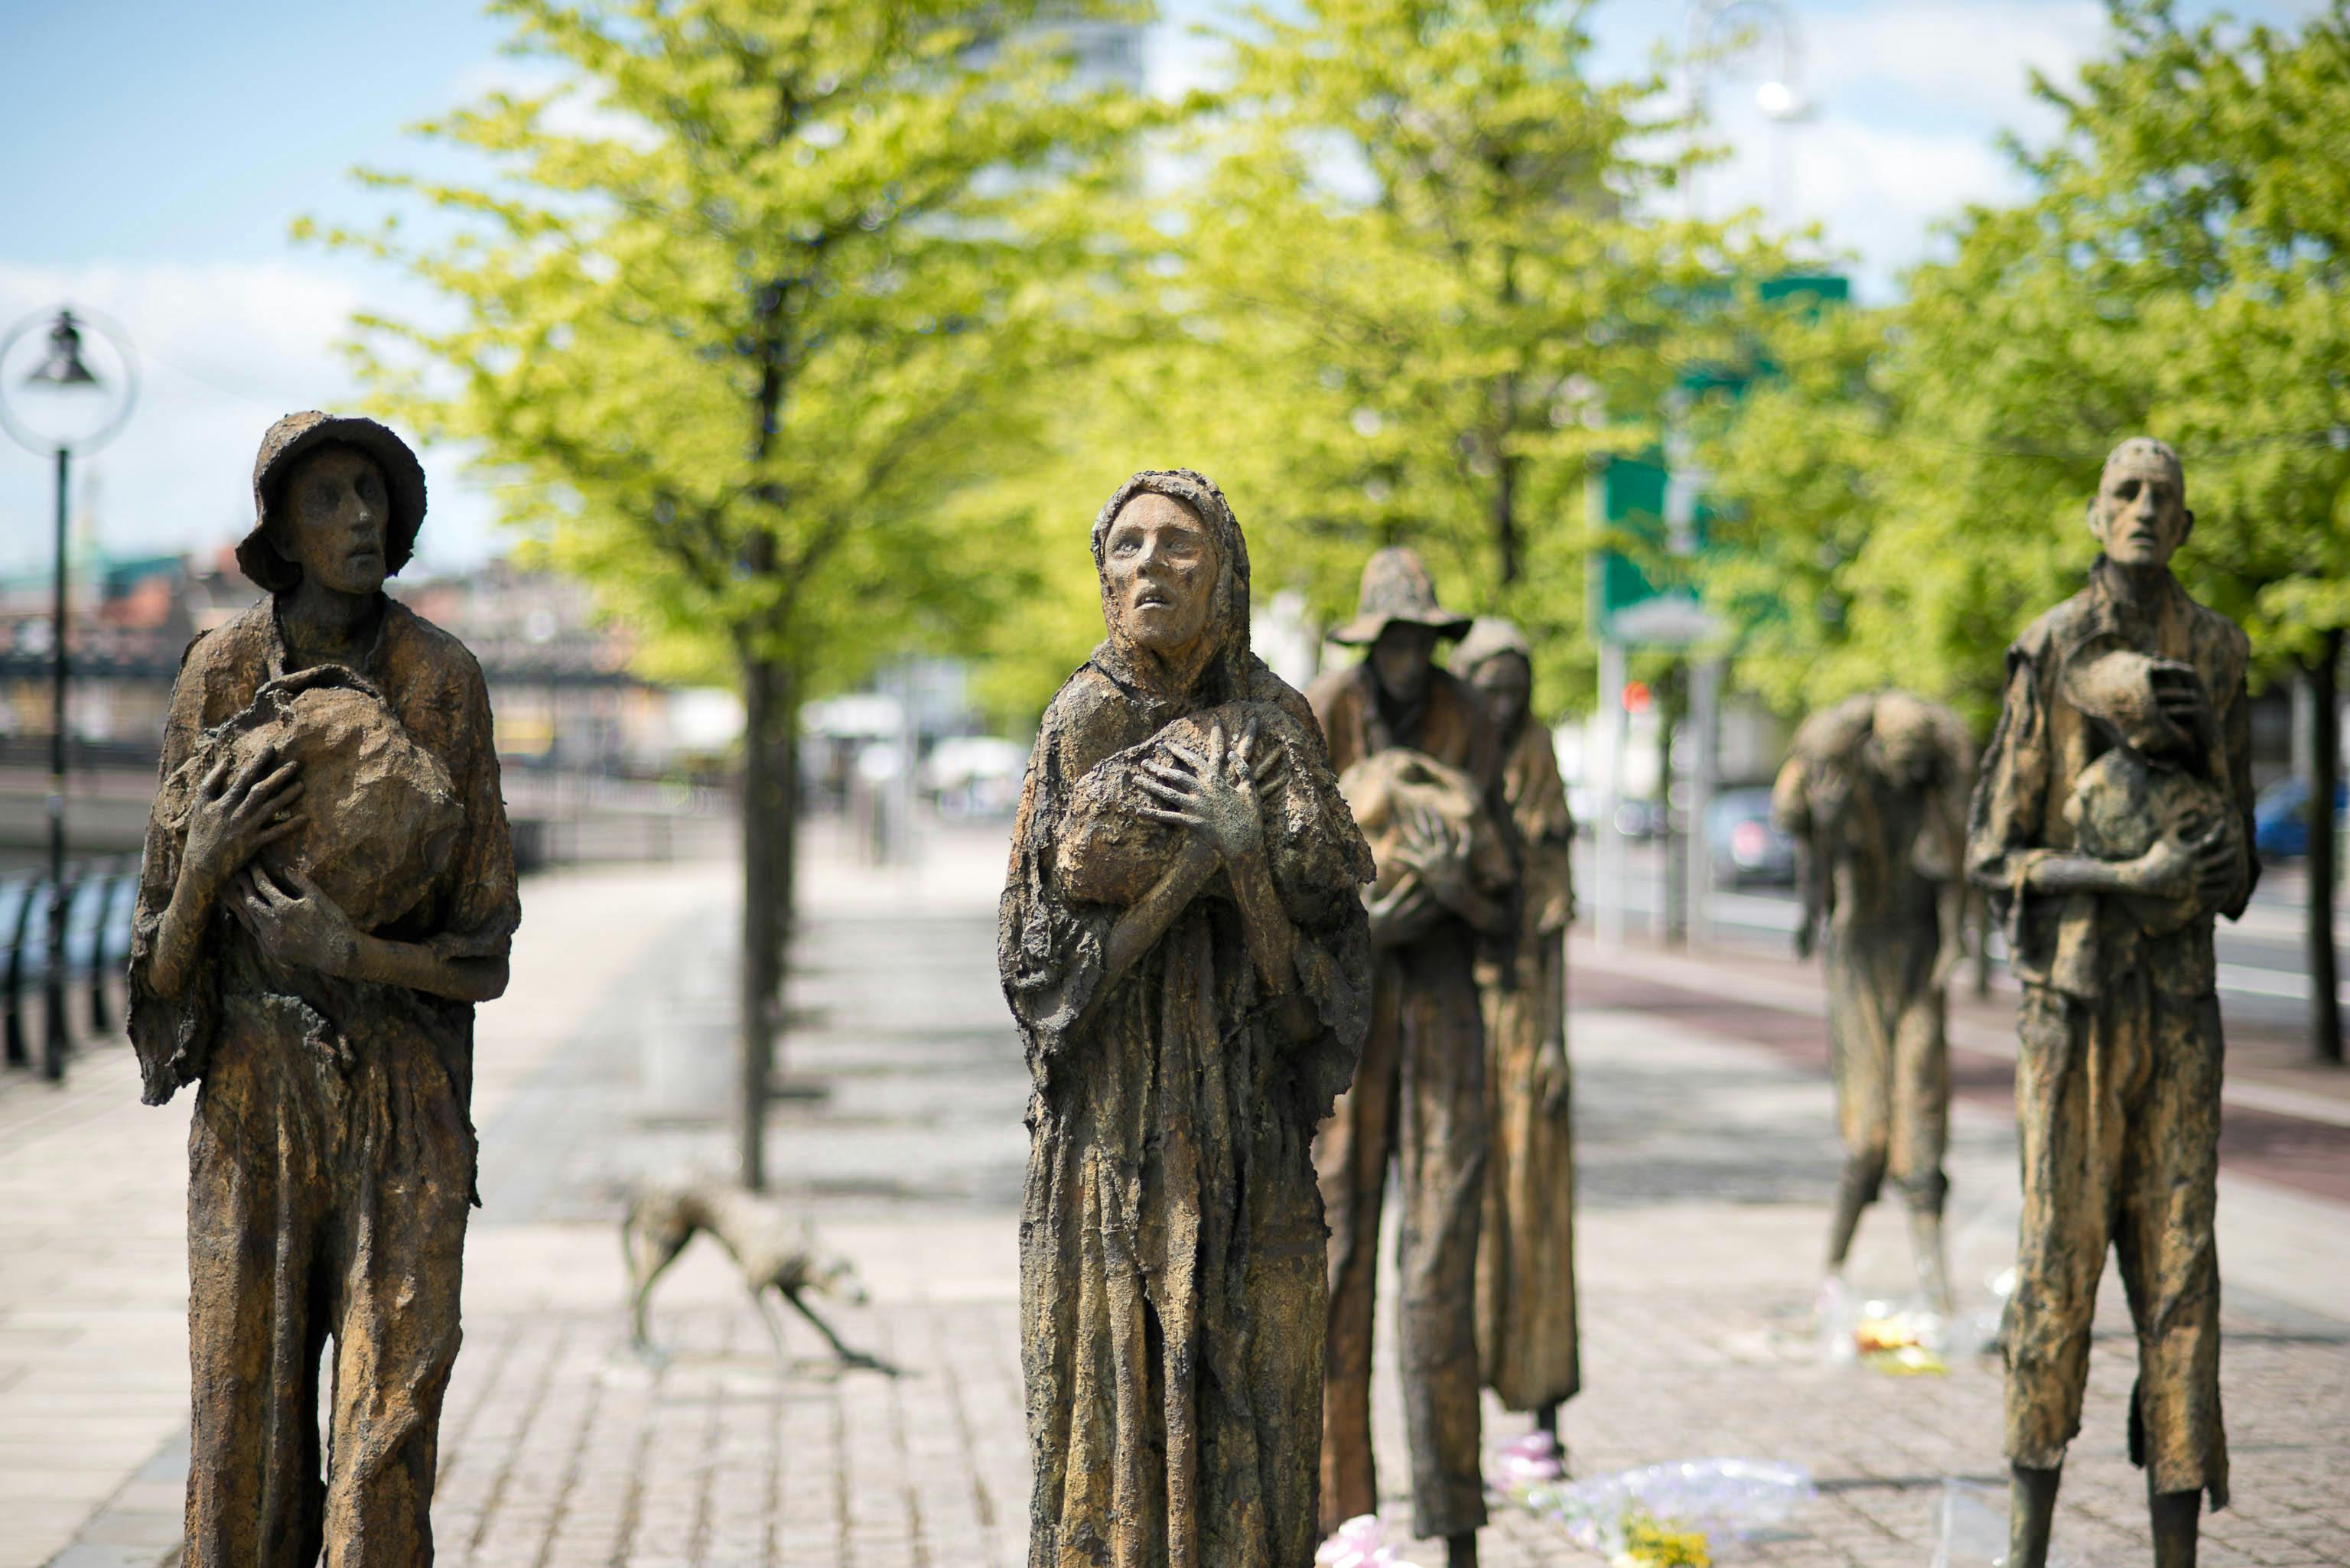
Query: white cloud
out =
(1967, 57)
(225, 349)
(1874, 191)
(1906, 103)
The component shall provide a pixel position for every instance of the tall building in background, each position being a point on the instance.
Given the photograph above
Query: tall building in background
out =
(1108, 54)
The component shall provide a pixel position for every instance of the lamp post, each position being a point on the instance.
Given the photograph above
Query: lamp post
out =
(1780, 95)
(59, 406)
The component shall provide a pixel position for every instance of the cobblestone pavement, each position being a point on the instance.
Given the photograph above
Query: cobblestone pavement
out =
(1707, 1159)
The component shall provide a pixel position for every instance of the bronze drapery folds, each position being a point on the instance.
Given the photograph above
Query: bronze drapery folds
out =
(1525, 1257)
(1419, 1099)
(2118, 1057)
(1184, 949)
(327, 889)
(1873, 793)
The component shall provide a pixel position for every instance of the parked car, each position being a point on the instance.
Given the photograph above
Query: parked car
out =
(2281, 817)
(1641, 819)
(1747, 847)
(976, 775)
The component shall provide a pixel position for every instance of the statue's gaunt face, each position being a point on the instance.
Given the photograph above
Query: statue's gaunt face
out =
(332, 524)
(1160, 563)
(1402, 659)
(1506, 684)
(2141, 517)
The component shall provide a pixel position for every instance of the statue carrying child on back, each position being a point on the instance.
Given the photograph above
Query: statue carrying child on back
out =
(2111, 825)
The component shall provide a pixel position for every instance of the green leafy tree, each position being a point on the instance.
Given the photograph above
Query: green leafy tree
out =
(1405, 295)
(740, 339)
(1915, 478)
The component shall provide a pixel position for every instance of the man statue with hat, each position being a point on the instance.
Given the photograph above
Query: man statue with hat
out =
(327, 891)
(1874, 795)
(1422, 765)
(2111, 824)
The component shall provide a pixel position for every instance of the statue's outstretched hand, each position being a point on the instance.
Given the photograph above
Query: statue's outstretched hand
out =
(236, 813)
(298, 929)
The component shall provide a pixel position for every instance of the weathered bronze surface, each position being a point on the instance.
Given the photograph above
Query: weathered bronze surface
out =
(1184, 946)
(1418, 1095)
(2118, 1069)
(1525, 1257)
(327, 890)
(1874, 792)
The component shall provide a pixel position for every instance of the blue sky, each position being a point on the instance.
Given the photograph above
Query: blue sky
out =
(159, 150)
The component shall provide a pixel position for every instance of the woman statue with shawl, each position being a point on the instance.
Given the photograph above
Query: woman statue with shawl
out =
(1184, 946)
(1525, 1255)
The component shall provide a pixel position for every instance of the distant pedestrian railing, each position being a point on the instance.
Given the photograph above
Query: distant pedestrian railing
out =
(97, 898)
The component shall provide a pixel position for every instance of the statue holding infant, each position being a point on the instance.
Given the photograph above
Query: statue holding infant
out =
(1185, 949)
(327, 891)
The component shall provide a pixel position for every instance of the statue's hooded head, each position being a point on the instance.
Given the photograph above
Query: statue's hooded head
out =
(1174, 585)
(334, 495)
(1496, 659)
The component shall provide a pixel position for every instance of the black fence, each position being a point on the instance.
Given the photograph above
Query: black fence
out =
(76, 984)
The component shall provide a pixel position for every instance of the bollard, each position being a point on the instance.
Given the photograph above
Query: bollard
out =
(57, 1026)
(19, 1054)
(111, 880)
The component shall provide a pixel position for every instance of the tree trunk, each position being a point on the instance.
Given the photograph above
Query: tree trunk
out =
(766, 703)
(786, 828)
(1509, 546)
(2325, 774)
(769, 708)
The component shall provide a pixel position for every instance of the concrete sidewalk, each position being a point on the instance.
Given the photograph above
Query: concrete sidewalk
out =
(1708, 1161)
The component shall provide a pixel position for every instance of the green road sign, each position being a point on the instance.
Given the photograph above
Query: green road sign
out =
(1646, 598)
(1645, 595)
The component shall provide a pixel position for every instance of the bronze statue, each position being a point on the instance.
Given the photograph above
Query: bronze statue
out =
(1445, 891)
(1184, 946)
(1525, 1257)
(327, 891)
(1873, 793)
(2112, 823)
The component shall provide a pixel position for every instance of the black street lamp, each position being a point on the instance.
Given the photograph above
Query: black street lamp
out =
(59, 406)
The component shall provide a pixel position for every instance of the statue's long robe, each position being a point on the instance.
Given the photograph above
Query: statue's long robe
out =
(2118, 1056)
(1417, 1106)
(1525, 1257)
(1171, 1242)
(330, 1161)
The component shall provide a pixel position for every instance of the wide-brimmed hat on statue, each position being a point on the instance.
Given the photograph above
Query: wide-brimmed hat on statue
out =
(287, 439)
(1397, 588)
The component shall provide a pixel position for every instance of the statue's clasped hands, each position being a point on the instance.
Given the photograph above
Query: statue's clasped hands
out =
(1218, 795)
(1436, 853)
(293, 922)
(238, 811)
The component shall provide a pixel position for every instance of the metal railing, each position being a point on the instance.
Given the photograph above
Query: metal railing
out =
(98, 895)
